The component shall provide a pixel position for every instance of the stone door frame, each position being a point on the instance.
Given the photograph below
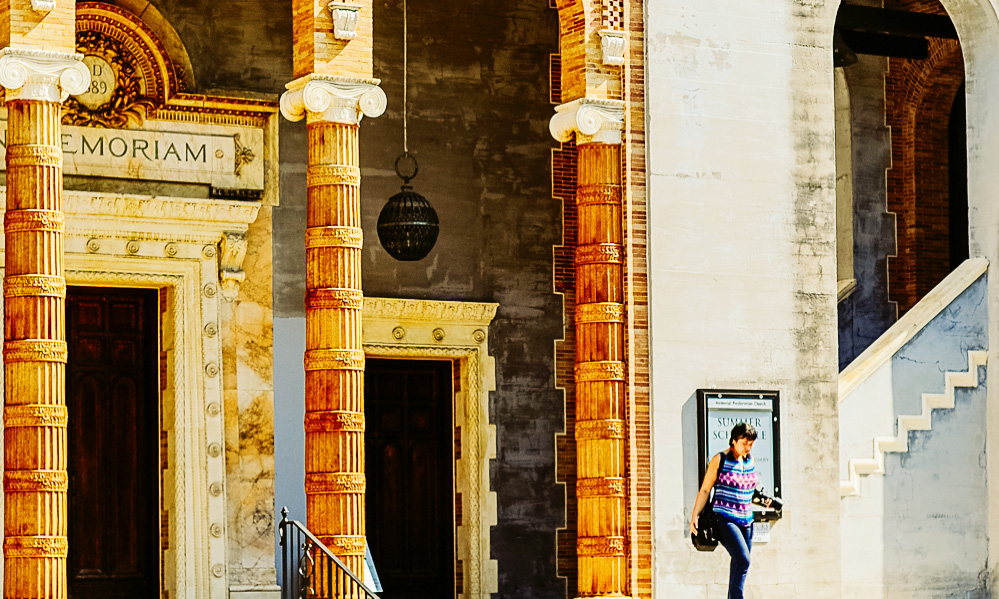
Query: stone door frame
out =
(457, 331)
(184, 248)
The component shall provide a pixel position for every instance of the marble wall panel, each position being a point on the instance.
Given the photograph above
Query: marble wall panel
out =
(248, 366)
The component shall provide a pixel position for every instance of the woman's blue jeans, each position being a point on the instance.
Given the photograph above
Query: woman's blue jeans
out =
(738, 540)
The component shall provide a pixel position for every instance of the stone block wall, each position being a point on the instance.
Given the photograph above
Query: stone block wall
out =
(742, 270)
(867, 312)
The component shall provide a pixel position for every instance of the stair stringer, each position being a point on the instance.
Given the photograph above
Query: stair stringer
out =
(920, 422)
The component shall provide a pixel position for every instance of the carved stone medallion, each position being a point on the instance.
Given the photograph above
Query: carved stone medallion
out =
(116, 96)
(103, 82)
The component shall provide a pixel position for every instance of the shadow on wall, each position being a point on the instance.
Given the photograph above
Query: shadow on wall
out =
(691, 482)
(936, 506)
(289, 414)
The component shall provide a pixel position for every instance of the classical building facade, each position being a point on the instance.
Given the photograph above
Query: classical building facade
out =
(638, 203)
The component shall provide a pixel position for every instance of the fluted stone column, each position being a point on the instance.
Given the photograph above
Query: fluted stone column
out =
(601, 397)
(34, 351)
(334, 358)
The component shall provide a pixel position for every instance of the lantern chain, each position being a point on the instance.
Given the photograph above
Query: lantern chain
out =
(405, 73)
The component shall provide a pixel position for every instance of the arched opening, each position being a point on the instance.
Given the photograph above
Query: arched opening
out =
(902, 68)
(958, 179)
(918, 316)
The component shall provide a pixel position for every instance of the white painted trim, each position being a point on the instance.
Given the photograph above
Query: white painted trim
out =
(899, 443)
(844, 288)
(909, 325)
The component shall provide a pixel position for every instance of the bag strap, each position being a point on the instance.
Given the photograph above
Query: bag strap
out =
(721, 462)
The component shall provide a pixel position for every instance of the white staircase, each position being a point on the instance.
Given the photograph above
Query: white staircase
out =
(917, 422)
(918, 530)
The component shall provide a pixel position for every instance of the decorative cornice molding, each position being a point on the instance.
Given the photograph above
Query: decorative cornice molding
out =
(42, 75)
(592, 121)
(232, 250)
(438, 312)
(333, 99)
(123, 207)
(345, 17)
(612, 44)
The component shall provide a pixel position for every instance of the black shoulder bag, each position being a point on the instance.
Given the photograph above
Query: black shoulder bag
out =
(706, 538)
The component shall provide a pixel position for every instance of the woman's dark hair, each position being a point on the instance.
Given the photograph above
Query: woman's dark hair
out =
(743, 430)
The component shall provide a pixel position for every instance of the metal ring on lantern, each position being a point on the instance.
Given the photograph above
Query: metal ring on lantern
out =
(416, 167)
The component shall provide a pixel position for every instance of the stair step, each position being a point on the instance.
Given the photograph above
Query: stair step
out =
(916, 422)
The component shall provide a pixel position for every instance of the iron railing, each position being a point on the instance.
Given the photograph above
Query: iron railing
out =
(310, 570)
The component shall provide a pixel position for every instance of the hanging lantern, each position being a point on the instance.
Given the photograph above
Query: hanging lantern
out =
(408, 224)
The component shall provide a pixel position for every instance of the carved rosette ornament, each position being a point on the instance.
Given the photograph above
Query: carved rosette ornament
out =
(601, 372)
(34, 349)
(592, 121)
(334, 357)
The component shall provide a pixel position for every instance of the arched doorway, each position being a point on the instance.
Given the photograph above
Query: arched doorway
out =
(900, 82)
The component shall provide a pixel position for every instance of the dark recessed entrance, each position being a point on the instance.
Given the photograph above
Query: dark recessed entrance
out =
(113, 401)
(409, 466)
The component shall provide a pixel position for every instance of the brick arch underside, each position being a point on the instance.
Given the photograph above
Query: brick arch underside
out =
(919, 98)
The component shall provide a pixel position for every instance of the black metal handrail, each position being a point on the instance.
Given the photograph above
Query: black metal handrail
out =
(310, 570)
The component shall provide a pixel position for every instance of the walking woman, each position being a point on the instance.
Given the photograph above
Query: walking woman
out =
(732, 473)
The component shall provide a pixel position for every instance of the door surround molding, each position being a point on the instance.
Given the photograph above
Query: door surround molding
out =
(428, 329)
(176, 245)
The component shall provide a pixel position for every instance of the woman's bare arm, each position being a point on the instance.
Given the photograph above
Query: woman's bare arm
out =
(710, 476)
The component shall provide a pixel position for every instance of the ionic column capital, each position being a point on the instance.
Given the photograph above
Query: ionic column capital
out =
(42, 75)
(592, 121)
(333, 99)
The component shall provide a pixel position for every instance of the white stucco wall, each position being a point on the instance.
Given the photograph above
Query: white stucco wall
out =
(743, 272)
(978, 30)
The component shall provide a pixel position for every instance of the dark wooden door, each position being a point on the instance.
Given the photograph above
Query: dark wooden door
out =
(113, 401)
(410, 492)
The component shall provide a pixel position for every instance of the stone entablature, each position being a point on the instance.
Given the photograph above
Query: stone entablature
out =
(224, 157)
(138, 119)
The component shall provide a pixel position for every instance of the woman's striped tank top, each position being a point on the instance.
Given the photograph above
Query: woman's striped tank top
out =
(734, 489)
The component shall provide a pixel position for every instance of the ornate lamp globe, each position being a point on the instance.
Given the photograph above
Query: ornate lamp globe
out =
(408, 224)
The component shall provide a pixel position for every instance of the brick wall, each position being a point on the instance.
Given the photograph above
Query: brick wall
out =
(636, 283)
(919, 98)
(23, 27)
(564, 182)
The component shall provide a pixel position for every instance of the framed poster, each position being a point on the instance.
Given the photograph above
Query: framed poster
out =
(719, 410)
